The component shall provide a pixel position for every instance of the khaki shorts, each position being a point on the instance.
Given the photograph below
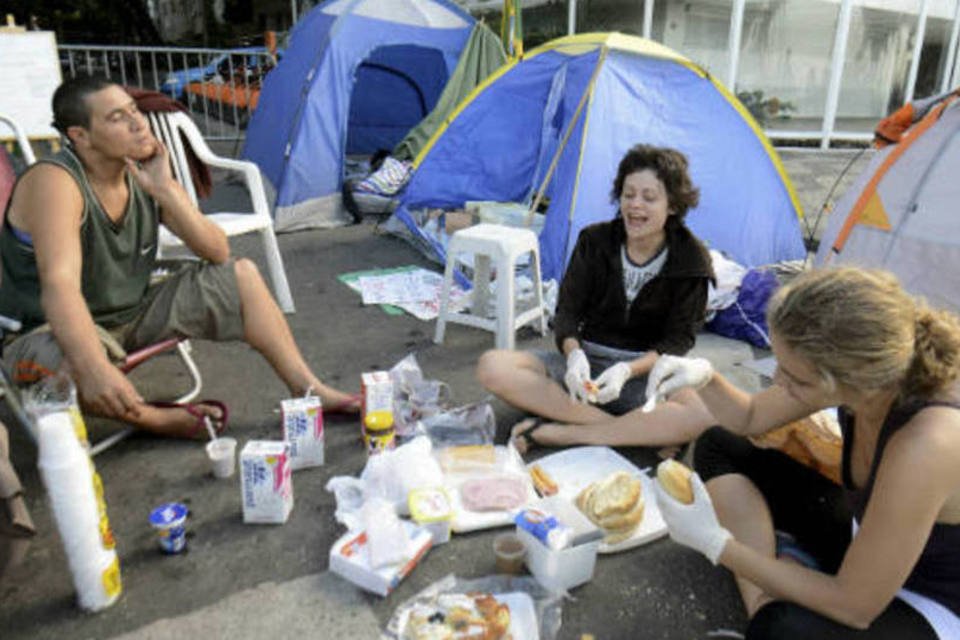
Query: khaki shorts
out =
(200, 300)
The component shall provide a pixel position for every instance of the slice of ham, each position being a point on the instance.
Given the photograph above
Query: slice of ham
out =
(498, 493)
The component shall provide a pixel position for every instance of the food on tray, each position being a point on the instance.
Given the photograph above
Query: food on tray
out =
(592, 390)
(542, 481)
(496, 493)
(615, 504)
(459, 616)
(674, 477)
(467, 457)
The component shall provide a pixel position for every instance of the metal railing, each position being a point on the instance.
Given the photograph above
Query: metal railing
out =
(220, 87)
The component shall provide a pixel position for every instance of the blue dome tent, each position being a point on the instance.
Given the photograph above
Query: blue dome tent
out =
(356, 77)
(559, 121)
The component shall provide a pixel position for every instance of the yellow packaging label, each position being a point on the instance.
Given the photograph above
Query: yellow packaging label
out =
(106, 534)
(79, 426)
(111, 579)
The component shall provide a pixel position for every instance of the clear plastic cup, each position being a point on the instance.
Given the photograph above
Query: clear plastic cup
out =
(223, 455)
(510, 551)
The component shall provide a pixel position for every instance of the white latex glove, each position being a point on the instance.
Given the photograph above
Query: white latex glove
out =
(611, 382)
(578, 372)
(671, 373)
(694, 525)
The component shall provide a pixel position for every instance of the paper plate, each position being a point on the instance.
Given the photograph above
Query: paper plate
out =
(574, 469)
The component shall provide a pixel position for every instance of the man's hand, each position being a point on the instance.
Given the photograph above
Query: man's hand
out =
(106, 391)
(671, 373)
(578, 372)
(153, 174)
(611, 382)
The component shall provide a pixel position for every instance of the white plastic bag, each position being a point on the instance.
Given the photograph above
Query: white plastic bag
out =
(387, 540)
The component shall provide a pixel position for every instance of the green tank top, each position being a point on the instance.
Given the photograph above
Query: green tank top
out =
(118, 258)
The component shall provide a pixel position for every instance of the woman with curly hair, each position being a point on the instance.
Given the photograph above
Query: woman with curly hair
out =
(879, 557)
(635, 288)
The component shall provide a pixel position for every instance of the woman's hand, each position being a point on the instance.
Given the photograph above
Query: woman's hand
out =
(672, 373)
(578, 372)
(694, 525)
(611, 381)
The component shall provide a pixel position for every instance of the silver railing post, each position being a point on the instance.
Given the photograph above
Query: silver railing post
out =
(836, 72)
(917, 50)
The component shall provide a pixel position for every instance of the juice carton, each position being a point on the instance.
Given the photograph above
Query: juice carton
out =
(303, 428)
(377, 390)
(266, 482)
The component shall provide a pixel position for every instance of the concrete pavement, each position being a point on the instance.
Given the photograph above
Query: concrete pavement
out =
(244, 581)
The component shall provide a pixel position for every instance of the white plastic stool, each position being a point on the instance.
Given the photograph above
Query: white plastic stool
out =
(503, 246)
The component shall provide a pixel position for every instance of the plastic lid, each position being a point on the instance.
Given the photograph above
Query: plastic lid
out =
(378, 421)
(429, 505)
(167, 514)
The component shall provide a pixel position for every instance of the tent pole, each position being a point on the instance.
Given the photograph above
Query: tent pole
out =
(566, 137)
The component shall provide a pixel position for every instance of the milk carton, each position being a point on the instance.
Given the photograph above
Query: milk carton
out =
(303, 429)
(266, 483)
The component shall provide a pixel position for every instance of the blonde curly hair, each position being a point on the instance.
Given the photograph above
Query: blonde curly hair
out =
(860, 329)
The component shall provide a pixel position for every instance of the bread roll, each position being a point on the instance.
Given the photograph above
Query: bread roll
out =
(675, 479)
(623, 521)
(616, 494)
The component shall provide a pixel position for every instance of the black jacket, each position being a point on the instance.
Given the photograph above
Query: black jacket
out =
(666, 314)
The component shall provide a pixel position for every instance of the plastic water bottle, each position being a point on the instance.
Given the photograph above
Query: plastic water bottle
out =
(76, 498)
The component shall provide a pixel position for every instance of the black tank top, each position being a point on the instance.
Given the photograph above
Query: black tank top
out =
(937, 572)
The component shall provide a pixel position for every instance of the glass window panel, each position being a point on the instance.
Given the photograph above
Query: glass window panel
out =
(879, 50)
(699, 30)
(936, 41)
(542, 20)
(625, 16)
(785, 53)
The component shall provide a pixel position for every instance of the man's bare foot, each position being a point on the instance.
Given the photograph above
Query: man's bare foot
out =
(334, 400)
(180, 421)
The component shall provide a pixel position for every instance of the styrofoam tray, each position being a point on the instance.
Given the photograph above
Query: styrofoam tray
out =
(573, 469)
(465, 520)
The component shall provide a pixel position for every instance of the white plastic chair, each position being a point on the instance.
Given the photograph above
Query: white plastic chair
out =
(20, 137)
(167, 126)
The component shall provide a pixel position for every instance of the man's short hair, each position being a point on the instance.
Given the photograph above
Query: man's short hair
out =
(69, 101)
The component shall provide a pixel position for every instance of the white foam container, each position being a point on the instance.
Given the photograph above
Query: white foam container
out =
(562, 569)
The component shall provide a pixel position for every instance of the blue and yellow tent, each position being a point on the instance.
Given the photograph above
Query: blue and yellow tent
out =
(561, 118)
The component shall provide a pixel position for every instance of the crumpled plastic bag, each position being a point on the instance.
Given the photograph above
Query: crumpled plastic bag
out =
(415, 397)
(387, 540)
(471, 424)
(388, 476)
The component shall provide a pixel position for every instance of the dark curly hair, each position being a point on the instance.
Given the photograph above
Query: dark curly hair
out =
(670, 166)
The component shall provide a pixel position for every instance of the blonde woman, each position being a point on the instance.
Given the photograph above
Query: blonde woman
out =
(883, 550)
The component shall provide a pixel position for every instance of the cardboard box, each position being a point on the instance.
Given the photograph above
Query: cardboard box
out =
(266, 484)
(349, 560)
(302, 420)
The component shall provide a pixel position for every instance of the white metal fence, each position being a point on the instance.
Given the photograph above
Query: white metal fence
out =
(219, 86)
(811, 70)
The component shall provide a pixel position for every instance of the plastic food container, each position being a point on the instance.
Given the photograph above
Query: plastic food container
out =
(562, 569)
(431, 509)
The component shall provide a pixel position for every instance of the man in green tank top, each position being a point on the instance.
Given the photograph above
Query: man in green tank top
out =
(79, 243)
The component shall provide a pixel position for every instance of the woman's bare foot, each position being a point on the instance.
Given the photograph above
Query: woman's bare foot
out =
(334, 400)
(178, 422)
(530, 433)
